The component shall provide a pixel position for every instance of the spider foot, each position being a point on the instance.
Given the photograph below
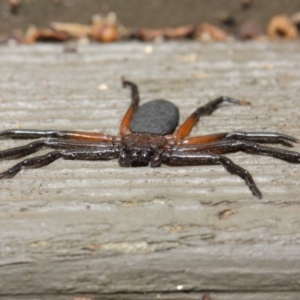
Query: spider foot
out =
(6, 174)
(35, 162)
(244, 102)
(253, 188)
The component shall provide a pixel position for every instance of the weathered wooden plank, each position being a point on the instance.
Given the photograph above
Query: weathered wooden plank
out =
(96, 228)
(167, 296)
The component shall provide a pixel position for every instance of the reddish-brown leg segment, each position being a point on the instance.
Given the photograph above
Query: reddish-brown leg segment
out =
(207, 109)
(36, 134)
(204, 139)
(259, 137)
(135, 99)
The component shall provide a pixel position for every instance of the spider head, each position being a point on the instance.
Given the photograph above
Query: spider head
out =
(139, 149)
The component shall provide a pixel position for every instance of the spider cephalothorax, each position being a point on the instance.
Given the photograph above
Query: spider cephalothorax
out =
(138, 149)
(148, 134)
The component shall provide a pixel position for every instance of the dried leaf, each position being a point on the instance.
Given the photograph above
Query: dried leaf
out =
(179, 32)
(249, 31)
(207, 32)
(14, 6)
(72, 29)
(105, 29)
(145, 34)
(282, 27)
(33, 34)
(225, 214)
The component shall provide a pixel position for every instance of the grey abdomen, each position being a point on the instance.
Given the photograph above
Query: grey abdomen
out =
(157, 117)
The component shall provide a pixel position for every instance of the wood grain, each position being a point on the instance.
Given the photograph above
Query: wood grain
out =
(96, 229)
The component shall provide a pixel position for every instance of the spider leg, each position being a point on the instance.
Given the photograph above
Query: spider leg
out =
(206, 109)
(51, 143)
(135, 99)
(43, 160)
(260, 137)
(186, 158)
(228, 146)
(35, 134)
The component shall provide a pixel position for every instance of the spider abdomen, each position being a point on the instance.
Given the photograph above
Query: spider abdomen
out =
(156, 117)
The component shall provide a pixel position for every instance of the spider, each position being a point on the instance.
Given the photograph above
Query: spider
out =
(148, 134)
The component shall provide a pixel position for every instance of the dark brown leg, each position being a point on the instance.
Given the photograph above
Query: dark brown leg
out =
(51, 143)
(35, 134)
(260, 137)
(207, 109)
(135, 99)
(203, 139)
(43, 160)
(228, 146)
(185, 158)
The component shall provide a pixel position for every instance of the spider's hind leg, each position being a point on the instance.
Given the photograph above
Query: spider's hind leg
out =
(50, 143)
(104, 153)
(24, 150)
(34, 162)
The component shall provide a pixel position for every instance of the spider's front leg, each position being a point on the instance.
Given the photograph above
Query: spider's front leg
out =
(206, 109)
(77, 154)
(259, 137)
(60, 134)
(186, 158)
(135, 99)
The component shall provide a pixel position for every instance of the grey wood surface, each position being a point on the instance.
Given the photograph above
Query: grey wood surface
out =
(96, 229)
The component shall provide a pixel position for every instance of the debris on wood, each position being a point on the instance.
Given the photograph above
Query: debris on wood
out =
(207, 32)
(70, 46)
(206, 297)
(76, 31)
(102, 87)
(107, 29)
(202, 76)
(296, 19)
(250, 30)
(225, 214)
(34, 34)
(14, 6)
(83, 298)
(103, 29)
(246, 4)
(282, 26)
(180, 32)
(148, 49)
(227, 19)
(14, 38)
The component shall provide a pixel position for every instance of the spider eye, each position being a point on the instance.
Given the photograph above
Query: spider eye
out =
(144, 154)
(144, 157)
(134, 154)
(138, 156)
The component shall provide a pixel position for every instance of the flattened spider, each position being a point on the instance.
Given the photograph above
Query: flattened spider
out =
(148, 135)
